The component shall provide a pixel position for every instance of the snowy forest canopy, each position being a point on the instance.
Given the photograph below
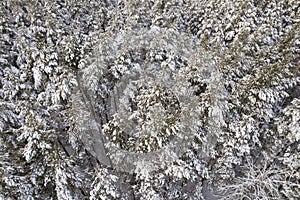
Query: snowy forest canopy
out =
(150, 99)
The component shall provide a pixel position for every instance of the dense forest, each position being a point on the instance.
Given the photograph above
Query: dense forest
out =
(150, 99)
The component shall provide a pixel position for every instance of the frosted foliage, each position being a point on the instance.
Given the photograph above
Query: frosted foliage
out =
(37, 75)
(151, 102)
(61, 182)
(148, 99)
(103, 186)
(293, 125)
